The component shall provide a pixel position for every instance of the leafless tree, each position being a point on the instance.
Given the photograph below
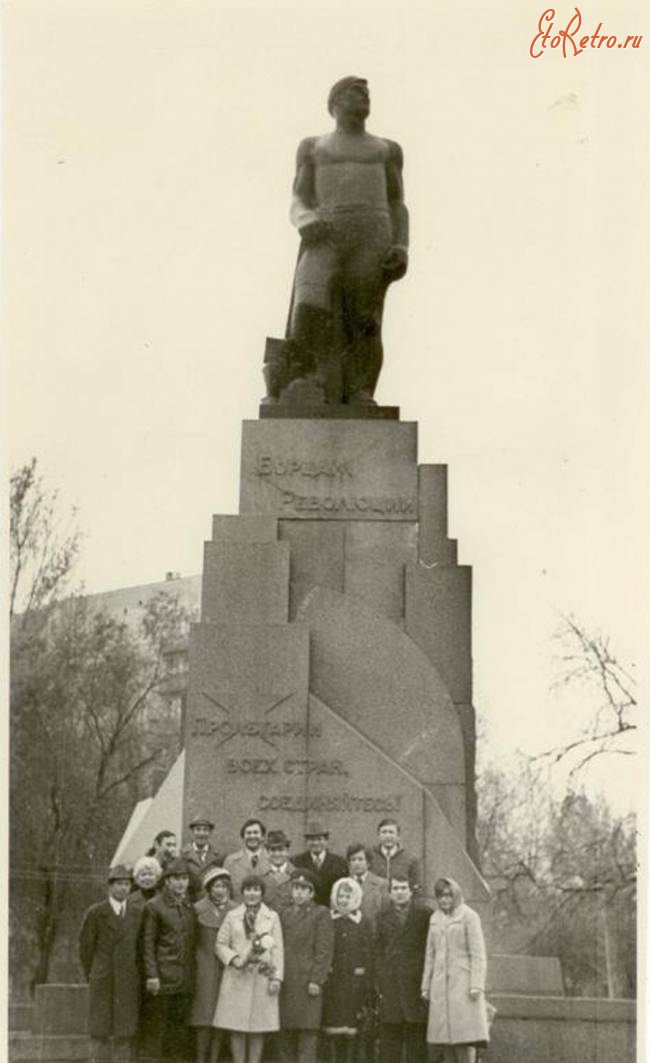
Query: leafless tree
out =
(586, 659)
(90, 720)
(43, 548)
(562, 871)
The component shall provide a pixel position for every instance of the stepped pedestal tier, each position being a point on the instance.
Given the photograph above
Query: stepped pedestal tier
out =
(330, 673)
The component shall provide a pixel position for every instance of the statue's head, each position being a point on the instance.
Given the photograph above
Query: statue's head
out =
(349, 96)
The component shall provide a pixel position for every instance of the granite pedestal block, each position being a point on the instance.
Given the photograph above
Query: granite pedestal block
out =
(330, 675)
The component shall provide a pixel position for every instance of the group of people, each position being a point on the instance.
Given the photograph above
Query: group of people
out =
(304, 952)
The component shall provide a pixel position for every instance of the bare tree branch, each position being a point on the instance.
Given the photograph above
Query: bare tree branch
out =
(586, 658)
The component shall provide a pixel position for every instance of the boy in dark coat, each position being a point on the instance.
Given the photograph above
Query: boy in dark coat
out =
(308, 944)
(168, 944)
(108, 950)
(400, 941)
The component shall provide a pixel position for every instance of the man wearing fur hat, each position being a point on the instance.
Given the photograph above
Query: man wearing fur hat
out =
(108, 950)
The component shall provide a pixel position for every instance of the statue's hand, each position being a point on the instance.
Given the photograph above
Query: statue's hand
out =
(395, 263)
(316, 232)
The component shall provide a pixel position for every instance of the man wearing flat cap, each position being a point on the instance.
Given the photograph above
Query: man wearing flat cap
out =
(199, 854)
(108, 950)
(326, 866)
(308, 948)
(277, 879)
(168, 946)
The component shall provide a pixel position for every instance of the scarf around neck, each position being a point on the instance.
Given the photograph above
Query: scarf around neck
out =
(250, 915)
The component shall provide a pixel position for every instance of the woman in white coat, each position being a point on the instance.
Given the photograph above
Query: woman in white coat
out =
(453, 979)
(249, 944)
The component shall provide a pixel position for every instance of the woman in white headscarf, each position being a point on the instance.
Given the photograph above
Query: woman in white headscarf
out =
(350, 981)
(453, 980)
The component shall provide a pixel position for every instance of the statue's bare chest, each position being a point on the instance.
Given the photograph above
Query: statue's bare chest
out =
(337, 148)
(350, 172)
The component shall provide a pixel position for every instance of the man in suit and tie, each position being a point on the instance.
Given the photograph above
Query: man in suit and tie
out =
(251, 859)
(108, 950)
(327, 867)
(199, 854)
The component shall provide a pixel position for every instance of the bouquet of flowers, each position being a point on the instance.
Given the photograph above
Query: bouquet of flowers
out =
(261, 944)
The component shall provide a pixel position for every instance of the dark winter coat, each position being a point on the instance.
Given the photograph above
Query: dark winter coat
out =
(308, 949)
(400, 862)
(197, 867)
(108, 950)
(333, 868)
(209, 968)
(168, 943)
(350, 981)
(399, 961)
(277, 888)
(140, 897)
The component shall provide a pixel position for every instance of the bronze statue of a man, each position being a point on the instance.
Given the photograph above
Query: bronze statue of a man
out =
(348, 206)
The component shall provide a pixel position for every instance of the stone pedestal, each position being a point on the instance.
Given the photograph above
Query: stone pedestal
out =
(330, 677)
(330, 674)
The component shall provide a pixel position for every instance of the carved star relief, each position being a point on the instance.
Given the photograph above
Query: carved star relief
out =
(247, 708)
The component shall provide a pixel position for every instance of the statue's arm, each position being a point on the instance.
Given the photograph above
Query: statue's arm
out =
(395, 188)
(303, 205)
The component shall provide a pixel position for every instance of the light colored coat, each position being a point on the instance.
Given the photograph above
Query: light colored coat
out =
(244, 1003)
(455, 963)
(239, 866)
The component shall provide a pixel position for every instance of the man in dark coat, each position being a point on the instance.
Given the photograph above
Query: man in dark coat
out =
(400, 941)
(388, 859)
(308, 948)
(327, 867)
(168, 944)
(199, 855)
(108, 950)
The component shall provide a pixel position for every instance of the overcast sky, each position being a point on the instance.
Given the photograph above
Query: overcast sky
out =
(149, 157)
